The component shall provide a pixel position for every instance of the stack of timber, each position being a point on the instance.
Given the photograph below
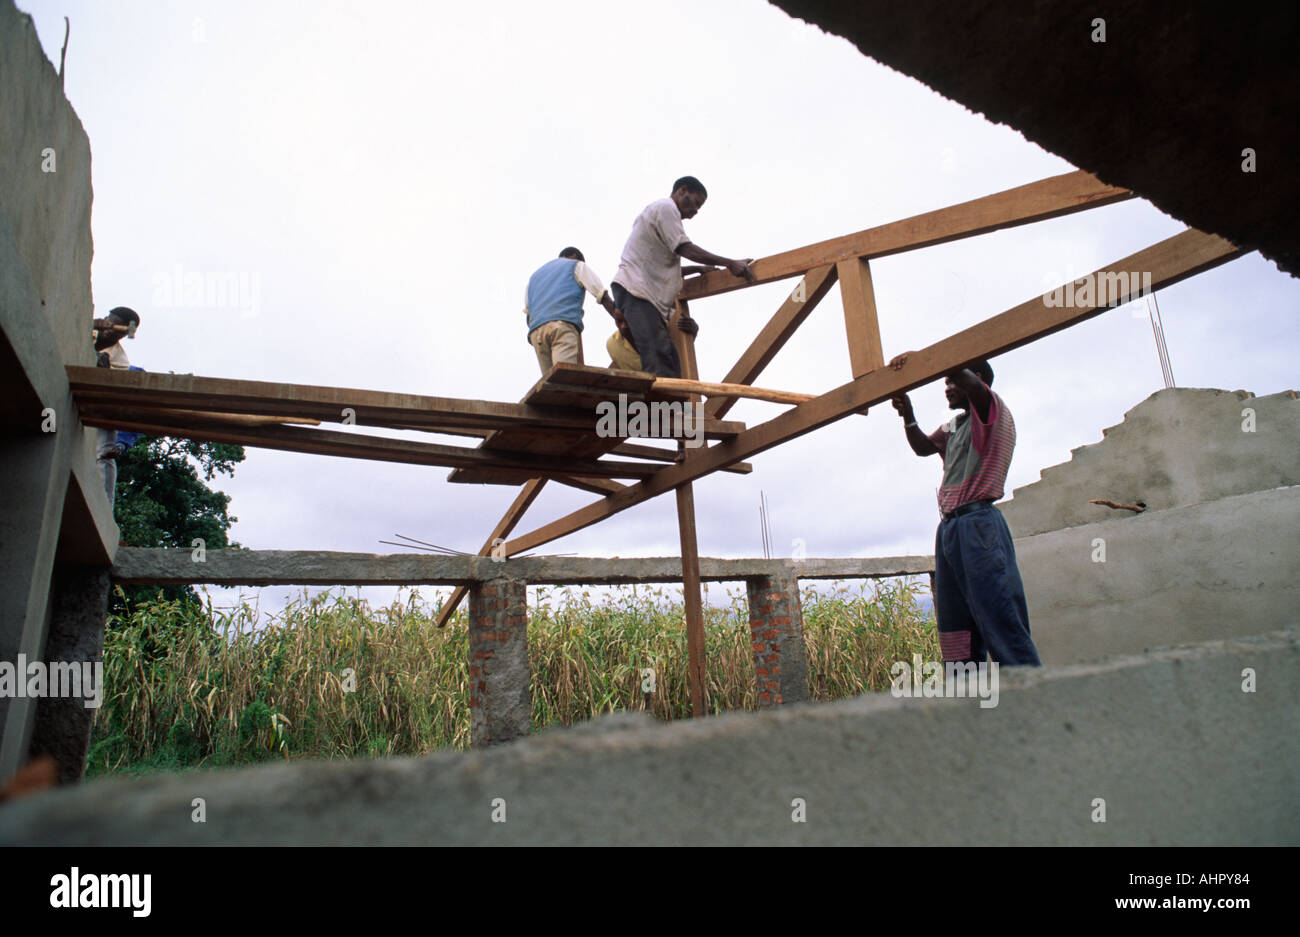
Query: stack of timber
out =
(552, 434)
(584, 388)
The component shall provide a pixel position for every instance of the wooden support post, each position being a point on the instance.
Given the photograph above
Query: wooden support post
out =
(860, 316)
(691, 595)
(690, 547)
(514, 514)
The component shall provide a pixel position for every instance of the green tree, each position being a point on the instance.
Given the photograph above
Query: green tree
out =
(161, 501)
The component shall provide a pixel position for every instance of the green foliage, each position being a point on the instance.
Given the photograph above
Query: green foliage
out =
(332, 678)
(161, 501)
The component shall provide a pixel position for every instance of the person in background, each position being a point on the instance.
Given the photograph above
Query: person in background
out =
(109, 331)
(553, 307)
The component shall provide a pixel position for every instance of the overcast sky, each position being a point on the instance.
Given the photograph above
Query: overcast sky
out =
(384, 176)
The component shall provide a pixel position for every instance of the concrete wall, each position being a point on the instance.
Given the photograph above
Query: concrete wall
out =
(1170, 742)
(52, 506)
(1177, 447)
(48, 213)
(1225, 567)
(1216, 553)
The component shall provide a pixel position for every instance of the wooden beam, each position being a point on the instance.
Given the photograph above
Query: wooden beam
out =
(601, 486)
(730, 390)
(330, 404)
(635, 450)
(1168, 262)
(691, 599)
(168, 415)
(860, 322)
(1037, 201)
(514, 514)
(772, 338)
(361, 446)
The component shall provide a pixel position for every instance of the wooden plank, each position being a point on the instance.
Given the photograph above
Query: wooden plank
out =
(527, 495)
(1168, 262)
(360, 446)
(731, 390)
(575, 386)
(694, 605)
(600, 486)
(168, 415)
(802, 300)
(634, 450)
(639, 451)
(1037, 201)
(329, 404)
(860, 322)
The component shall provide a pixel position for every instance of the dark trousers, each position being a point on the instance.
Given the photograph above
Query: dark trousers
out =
(979, 599)
(649, 333)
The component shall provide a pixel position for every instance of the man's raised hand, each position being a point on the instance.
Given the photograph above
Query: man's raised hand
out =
(740, 268)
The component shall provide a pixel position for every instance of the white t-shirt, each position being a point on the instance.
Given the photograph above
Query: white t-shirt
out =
(117, 359)
(650, 266)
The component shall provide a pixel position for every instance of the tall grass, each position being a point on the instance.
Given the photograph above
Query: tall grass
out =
(330, 677)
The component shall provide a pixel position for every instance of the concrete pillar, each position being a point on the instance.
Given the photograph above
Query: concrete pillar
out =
(500, 702)
(79, 601)
(776, 631)
(31, 508)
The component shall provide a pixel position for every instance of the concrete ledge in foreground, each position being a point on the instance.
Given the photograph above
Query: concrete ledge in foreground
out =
(1179, 753)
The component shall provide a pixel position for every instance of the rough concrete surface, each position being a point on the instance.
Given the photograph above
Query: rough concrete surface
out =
(1164, 106)
(48, 212)
(1169, 741)
(1215, 569)
(1180, 446)
(138, 565)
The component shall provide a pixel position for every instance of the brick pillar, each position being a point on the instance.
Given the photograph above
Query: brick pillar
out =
(776, 631)
(79, 611)
(501, 707)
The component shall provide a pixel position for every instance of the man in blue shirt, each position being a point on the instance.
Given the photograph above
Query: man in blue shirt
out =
(553, 307)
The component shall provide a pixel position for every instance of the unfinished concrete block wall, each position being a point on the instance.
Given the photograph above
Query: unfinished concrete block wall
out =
(1216, 553)
(45, 191)
(54, 516)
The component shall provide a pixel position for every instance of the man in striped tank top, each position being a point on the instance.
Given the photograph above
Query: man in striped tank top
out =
(979, 599)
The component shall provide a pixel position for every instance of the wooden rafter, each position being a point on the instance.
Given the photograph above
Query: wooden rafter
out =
(860, 323)
(360, 446)
(1037, 201)
(147, 390)
(1168, 262)
(527, 495)
(772, 337)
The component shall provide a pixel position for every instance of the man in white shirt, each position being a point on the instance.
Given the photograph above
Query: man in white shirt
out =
(121, 322)
(553, 307)
(650, 274)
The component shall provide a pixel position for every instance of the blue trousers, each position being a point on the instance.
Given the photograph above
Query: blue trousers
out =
(979, 599)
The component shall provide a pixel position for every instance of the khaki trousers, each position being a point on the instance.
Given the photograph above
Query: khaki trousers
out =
(554, 342)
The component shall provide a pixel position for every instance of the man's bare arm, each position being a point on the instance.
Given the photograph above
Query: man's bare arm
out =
(976, 391)
(916, 438)
(738, 268)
